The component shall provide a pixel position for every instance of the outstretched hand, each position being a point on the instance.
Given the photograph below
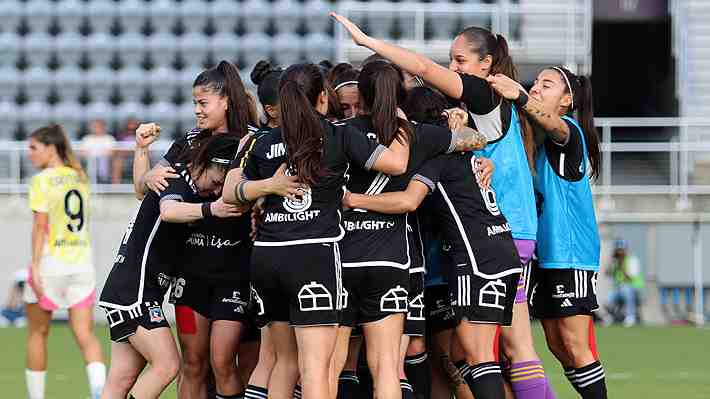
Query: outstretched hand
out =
(358, 36)
(505, 86)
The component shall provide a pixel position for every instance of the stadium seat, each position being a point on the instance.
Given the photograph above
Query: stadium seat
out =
(186, 116)
(131, 110)
(256, 14)
(100, 48)
(315, 12)
(11, 14)
(318, 46)
(99, 84)
(194, 48)
(69, 81)
(186, 79)
(11, 48)
(162, 48)
(225, 15)
(131, 48)
(9, 117)
(37, 49)
(70, 15)
(69, 48)
(100, 110)
(443, 25)
(166, 115)
(132, 82)
(287, 48)
(10, 82)
(380, 24)
(39, 14)
(163, 15)
(194, 15)
(132, 15)
(69, 114)
(101, 14)
(163, 82)
(225, 46)
(287, 15)
(34, 115)
(37, 83)
(255, 46)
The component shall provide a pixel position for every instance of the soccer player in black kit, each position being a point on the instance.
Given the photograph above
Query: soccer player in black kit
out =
(143, 270)
(376, 248)
(296, 276)
(481, 260)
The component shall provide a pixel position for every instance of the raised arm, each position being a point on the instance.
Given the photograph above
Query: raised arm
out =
(548, 119)
(144, 177)
(396, 202)
(447, 81)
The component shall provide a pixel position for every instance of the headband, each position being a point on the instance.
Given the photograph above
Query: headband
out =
(346, 83)
(569, 86)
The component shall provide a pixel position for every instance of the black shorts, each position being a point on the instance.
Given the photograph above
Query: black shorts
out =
(299, 284)
(148, 314)
(559, 293)
(478, 299)
(373, 293)
(440, 315)
(214, 300)
(415, 324)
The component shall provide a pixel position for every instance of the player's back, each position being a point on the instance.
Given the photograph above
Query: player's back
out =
(63, 194)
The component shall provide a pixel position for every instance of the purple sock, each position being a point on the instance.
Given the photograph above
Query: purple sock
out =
(528, 380)
(549, 393)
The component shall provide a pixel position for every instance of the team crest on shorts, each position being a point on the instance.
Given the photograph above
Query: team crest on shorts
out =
(156, 314)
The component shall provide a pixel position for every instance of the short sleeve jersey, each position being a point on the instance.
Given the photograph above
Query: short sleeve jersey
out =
(566, 159)
(179, 146)
(470, 219)
(149, 248)
(64, 196)
(315, 216)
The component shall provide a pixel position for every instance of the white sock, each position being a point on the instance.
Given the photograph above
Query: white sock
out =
(97, 378)
(35, 383)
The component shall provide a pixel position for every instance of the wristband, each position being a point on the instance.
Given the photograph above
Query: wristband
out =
(206, 210)
(522, 99)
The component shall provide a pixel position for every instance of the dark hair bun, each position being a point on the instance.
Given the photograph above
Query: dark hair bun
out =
(261, 69)
(326, 64)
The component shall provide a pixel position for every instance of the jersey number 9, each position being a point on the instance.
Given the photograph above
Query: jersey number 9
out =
(76, 216)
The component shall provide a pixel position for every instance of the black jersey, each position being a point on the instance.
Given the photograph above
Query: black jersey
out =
(377, 239)
(185, 142)
(149, 249)
(316, 215)
(470, 221)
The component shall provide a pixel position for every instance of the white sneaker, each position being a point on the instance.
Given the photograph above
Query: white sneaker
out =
(629, 321)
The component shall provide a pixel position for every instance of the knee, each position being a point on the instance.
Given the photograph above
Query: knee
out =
(194, 364)
(574, 347)
(167, 369)
(557, 348)
(121, 381)
(223, 364)
(39, 332)
(416, 346)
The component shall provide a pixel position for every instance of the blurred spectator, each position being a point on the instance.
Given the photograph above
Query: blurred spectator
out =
(97, 147)
(123, 157)
(12, 312)
(628, 282)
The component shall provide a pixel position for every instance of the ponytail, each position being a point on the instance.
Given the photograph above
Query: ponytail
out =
(382, 90)
(54, 135)
(502, 61)
(584, 103)
(301, 127)
(224, 79)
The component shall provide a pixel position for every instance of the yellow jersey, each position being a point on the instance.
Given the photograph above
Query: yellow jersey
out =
(64, 197)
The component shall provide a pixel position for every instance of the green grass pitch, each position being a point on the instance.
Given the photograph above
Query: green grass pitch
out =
(640, 362)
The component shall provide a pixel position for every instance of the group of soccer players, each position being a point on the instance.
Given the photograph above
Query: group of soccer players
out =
(386, 215)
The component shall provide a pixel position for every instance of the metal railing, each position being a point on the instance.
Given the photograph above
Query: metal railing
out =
(682, 149)
(506, 18)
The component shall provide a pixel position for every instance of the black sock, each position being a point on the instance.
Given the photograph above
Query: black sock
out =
(407, 392)
(255, 392)
(418, 371)
(297, 393)
(131, 396)
(237, 396)
(348, 385)
(589, 381)
(484, 379)
(569, 373)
